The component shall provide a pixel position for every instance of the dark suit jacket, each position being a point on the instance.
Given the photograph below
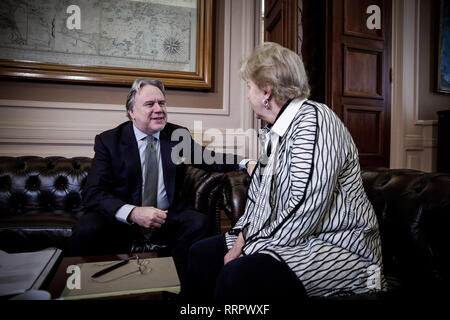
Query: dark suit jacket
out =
(115, 178)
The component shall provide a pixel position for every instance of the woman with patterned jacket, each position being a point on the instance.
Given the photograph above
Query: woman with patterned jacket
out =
(308, 228)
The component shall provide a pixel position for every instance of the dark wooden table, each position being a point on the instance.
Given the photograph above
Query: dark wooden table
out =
(59, 280)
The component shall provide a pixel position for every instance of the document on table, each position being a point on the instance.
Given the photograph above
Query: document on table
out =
(20, 272)
(147, 275)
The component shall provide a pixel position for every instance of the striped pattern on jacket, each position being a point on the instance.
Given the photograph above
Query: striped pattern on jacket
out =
(309, 208)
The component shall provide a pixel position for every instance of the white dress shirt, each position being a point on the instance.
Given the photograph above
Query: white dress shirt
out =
(163, 202)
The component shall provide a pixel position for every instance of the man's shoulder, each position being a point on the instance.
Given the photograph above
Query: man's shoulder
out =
(117, 131)
(172, 127)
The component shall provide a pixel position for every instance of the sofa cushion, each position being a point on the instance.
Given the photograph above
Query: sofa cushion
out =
(36, 230)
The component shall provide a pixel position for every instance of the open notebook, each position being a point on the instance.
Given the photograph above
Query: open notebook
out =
(20, 272)
(147, 275)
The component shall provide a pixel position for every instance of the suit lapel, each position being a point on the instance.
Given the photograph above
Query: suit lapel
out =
(132, 161)
(169, 167)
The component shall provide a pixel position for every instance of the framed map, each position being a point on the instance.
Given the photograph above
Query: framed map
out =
(108, 41)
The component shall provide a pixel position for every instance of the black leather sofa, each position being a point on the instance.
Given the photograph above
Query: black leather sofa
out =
(413, 211)
(40, 199)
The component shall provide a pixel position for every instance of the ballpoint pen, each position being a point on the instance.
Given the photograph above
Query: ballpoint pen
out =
(109, 269)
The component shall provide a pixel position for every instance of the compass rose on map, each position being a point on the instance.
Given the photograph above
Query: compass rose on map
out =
(172, 47)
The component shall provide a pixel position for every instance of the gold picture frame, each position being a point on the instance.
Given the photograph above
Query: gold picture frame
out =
(198, 79)
(443, 67)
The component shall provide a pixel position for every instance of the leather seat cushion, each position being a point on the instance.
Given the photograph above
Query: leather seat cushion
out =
(35, 231)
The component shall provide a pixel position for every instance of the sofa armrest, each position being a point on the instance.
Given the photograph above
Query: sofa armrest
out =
(202, 191)
(235, 185)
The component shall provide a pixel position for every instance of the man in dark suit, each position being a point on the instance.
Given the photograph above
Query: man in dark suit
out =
(134, 186)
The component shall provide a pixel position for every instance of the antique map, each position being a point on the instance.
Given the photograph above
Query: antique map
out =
(144, 34)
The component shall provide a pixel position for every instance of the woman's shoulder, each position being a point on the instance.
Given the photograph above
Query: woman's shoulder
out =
(311, 105)
(306, 109)
(321, 110)
(312, 113)
(308, 106)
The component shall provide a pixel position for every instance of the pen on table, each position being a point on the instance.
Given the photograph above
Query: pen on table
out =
(111, 268)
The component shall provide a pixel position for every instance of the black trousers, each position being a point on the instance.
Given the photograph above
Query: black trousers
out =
(96, 234)
(257, 277)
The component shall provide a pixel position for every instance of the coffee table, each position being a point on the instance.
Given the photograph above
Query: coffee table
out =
(59, 280)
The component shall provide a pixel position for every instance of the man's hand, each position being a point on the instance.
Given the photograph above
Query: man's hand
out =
(251, 166)
(236, 250)
(148, 217)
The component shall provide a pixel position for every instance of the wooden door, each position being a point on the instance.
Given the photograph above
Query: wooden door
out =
(280, 22)
(359, 84)
(348, 64)
(280, 25)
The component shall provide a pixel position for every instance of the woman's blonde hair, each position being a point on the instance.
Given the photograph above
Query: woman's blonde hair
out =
(279, 68)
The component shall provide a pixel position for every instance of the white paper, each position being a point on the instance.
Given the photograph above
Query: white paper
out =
(20, 272)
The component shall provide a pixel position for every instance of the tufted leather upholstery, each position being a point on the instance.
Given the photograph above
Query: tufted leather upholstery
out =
(413, 211)
(40, 199)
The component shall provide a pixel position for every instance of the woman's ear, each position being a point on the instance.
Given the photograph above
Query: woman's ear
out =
(267, 92)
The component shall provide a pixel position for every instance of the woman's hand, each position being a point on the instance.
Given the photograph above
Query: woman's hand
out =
(236, 250)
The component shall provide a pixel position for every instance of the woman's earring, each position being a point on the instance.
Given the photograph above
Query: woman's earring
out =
(266, 103)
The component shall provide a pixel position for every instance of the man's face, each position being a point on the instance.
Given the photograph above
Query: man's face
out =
(149, 113)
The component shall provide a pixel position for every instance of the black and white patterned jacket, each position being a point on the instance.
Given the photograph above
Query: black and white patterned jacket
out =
(308, 208)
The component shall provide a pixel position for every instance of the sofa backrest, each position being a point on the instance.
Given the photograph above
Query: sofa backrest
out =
(413, 211)
(34, 184)
(40, 200)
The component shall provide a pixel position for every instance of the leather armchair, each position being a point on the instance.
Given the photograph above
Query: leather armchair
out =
(413, 211)
(40, 199)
